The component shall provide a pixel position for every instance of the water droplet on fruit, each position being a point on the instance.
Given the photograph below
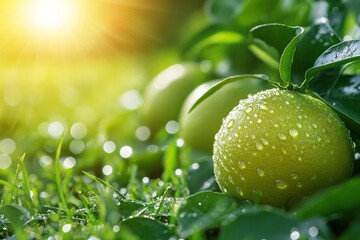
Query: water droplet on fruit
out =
(260, 172)
(259, 146)
(294, 176)
(265, 141)
(231, 180)
(230, 124)
(282, 136)
(263, 107)
(241, 165)
(294, 133)
(281, 184)
(248, 110)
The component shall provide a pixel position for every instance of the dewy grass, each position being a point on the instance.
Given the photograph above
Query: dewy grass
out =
(59, 185)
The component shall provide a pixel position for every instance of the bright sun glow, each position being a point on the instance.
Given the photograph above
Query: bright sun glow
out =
(50, 16)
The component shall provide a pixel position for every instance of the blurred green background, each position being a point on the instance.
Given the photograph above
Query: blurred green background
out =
(82, 78)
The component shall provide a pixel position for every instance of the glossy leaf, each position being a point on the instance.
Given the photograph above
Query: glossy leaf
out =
(339, 199)
(272, 224)
(222, 83)
(335, 56)
(276, 44)
(146, 228)
(288, 55)
(206, 210)
(342, 95)
(313, 42)
(200, 176)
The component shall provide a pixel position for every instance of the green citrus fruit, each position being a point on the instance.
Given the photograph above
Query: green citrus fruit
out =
(166, 93)
(199, 127)
(278, 147)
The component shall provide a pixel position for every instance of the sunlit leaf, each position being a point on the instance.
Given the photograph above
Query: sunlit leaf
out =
(206, 210)
(339, 199)
(222, 83)
(212, 35)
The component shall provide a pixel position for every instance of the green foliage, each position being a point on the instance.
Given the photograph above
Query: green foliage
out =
(163, 190)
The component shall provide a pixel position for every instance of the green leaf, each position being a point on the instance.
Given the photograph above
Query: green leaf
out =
(288, 55)
(223, 11)
(206, 210)
(335, 56)
(222, 83)
(340, 199)
(272, 224)
(315, 40)
(353, 232)
(18, 216)
(211, 35)
(146, 228)
(200, 176)
(341, 95)
(275, 44)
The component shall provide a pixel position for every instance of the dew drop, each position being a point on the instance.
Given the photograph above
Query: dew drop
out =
(282, 136)
(315, 125)
(265, 141)
(281, 184)
(299, 125)
(300, 159)
(259, 146)
(307, 134)
(248, 110)
(294, 176)
(230, 124)
(259, 120)
(241, 165)
(276, 125)
(260, 172)
(318, 139)
(294, 133)
(299, 184)
(287, 102)
(253, 136)
(231, 180)
(263, 107)
(239, 191)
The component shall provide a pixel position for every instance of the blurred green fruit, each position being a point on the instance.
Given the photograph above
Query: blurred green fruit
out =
(199, 127)
(166, 93)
